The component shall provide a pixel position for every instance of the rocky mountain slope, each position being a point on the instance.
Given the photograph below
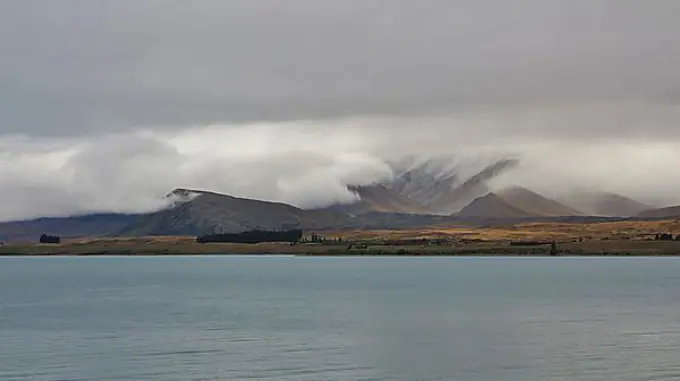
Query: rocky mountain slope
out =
(432, 187)
(477, 185)
(425, 184)
(200, 212)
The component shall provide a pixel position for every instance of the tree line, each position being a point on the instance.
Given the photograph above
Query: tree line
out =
(254, 236)
(666, 237)
(49, 239)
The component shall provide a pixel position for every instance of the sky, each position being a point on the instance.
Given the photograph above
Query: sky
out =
(109, 105)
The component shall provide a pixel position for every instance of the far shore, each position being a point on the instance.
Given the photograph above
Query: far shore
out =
(341, 255)
(180, 248)
(621, 238)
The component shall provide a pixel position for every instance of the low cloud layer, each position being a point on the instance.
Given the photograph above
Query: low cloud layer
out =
(306, 164)
(133, 172)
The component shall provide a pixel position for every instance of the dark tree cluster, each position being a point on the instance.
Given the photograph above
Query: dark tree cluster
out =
(254, 236)
(315, 238)
(530, 243)
(665, 237)
(49, 239)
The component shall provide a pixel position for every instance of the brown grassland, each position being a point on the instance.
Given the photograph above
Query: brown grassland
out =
(606, 238)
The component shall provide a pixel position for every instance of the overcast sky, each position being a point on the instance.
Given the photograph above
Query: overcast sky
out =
(110, 104)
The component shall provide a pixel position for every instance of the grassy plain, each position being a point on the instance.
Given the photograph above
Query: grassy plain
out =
(606, 238)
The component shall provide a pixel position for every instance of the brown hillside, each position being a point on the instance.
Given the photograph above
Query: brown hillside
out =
(536, 204)
(208, 212)
(492, 206)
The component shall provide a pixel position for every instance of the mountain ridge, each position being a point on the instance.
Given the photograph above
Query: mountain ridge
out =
(492, 205)
(603, 203)
(535, 203)
(192, 212)
(667, 212)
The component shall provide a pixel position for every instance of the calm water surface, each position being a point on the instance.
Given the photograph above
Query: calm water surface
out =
(233, 318)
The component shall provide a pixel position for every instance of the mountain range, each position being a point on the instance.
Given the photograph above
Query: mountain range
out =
(417, 195)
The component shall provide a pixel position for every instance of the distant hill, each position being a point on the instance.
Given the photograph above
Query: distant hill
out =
(492, 206)
(92, 225)
(209, 212)
(668, 212)
(604, 204)
(199, 213)
(536, 204)
(378, 198)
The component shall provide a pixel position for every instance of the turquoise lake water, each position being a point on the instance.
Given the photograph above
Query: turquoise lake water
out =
(288, 318)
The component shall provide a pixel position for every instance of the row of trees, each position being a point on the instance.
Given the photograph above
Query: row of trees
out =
(49, 239)
(666, 237)
(254, 236)
(316, 238)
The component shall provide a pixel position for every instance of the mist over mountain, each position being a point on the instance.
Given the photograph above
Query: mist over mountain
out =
(133, 174)
(378, 198)
(439, 185)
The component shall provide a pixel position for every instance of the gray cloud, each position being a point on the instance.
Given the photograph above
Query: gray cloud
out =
(81, 66)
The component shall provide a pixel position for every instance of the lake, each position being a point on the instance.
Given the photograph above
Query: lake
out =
(352, 318)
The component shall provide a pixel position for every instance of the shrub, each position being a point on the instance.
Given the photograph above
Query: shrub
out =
(49, 239)
(254, 236)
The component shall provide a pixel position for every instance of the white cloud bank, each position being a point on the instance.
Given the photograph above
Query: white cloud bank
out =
(132, 172)
(308, 163)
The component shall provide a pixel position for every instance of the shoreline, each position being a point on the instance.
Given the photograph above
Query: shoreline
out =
(339, 255)
(367, 243)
